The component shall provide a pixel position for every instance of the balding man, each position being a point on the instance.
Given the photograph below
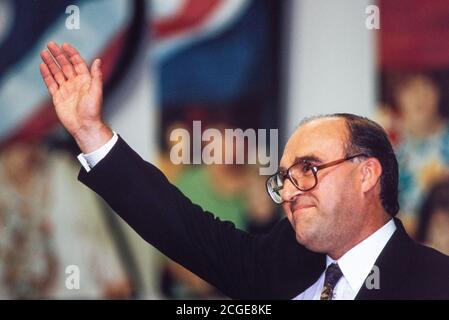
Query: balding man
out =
(337, 183)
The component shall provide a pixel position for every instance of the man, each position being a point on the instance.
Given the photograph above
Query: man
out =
(337, 183)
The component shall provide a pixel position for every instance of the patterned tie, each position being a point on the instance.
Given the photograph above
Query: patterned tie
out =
(333, 274)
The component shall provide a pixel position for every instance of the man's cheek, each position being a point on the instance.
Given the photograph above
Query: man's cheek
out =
(288, 213)
(286, 208)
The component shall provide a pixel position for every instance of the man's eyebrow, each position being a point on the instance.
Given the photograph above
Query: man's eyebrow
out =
(307, 158)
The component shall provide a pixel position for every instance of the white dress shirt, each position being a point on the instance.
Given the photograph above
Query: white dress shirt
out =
(89, 160)
(356, 265)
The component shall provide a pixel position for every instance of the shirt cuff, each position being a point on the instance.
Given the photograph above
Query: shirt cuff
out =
(90, 160)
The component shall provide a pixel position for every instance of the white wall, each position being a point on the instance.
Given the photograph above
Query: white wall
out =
(330, 64)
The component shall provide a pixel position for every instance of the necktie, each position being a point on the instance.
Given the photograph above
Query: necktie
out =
(331, 277)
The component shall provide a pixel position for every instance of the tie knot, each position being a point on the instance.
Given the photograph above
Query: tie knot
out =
(331, 277)
(333, 274)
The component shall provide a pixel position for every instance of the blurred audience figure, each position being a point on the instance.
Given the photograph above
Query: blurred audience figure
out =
(49, 223)
(387, 117)
(27, 249)
(423, 145)
(164, 163)
(433, 227)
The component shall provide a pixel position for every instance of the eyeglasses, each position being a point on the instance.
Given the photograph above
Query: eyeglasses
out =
(303, 176)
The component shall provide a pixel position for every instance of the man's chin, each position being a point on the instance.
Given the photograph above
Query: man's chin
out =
(307, 236)
(302, 231)
(310, 244)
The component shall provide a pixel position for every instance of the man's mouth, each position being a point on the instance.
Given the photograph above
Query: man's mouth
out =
(299, 208)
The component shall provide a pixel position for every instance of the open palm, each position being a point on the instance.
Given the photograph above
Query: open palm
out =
(76, 90)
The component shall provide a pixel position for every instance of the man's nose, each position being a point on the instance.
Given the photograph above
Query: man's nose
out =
(289, 192)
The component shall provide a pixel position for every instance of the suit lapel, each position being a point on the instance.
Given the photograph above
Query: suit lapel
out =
(393, 264)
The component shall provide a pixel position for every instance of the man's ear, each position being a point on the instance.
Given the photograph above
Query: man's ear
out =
(371, 171)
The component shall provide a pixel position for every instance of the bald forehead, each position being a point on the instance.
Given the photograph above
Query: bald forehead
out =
(322, 138)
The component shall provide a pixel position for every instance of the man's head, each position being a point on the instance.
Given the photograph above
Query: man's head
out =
(351, 199)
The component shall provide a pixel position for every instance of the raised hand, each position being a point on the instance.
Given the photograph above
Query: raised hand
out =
(77, 94)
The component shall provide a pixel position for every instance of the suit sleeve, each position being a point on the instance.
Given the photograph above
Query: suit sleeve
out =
(215, 250)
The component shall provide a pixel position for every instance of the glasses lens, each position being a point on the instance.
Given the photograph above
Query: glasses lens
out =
(274, 186)
(302, 176)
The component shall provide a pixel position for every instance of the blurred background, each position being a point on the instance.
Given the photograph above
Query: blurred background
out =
(258, 64)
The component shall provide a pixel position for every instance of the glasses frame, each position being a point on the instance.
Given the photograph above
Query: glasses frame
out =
(315, 169)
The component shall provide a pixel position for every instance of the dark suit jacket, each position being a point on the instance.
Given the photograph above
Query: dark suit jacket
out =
(241, 265)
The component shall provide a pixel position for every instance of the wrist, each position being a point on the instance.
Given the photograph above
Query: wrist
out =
(91, 138)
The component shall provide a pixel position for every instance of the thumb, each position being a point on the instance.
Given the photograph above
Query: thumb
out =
(96, 87)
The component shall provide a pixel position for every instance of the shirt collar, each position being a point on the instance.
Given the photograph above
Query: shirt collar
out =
(357, 263)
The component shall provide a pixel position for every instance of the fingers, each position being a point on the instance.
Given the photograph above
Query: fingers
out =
(48, 79)
(58, 54)
(97, 81)
(77, 61)
(70, 65)
(53, 67)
